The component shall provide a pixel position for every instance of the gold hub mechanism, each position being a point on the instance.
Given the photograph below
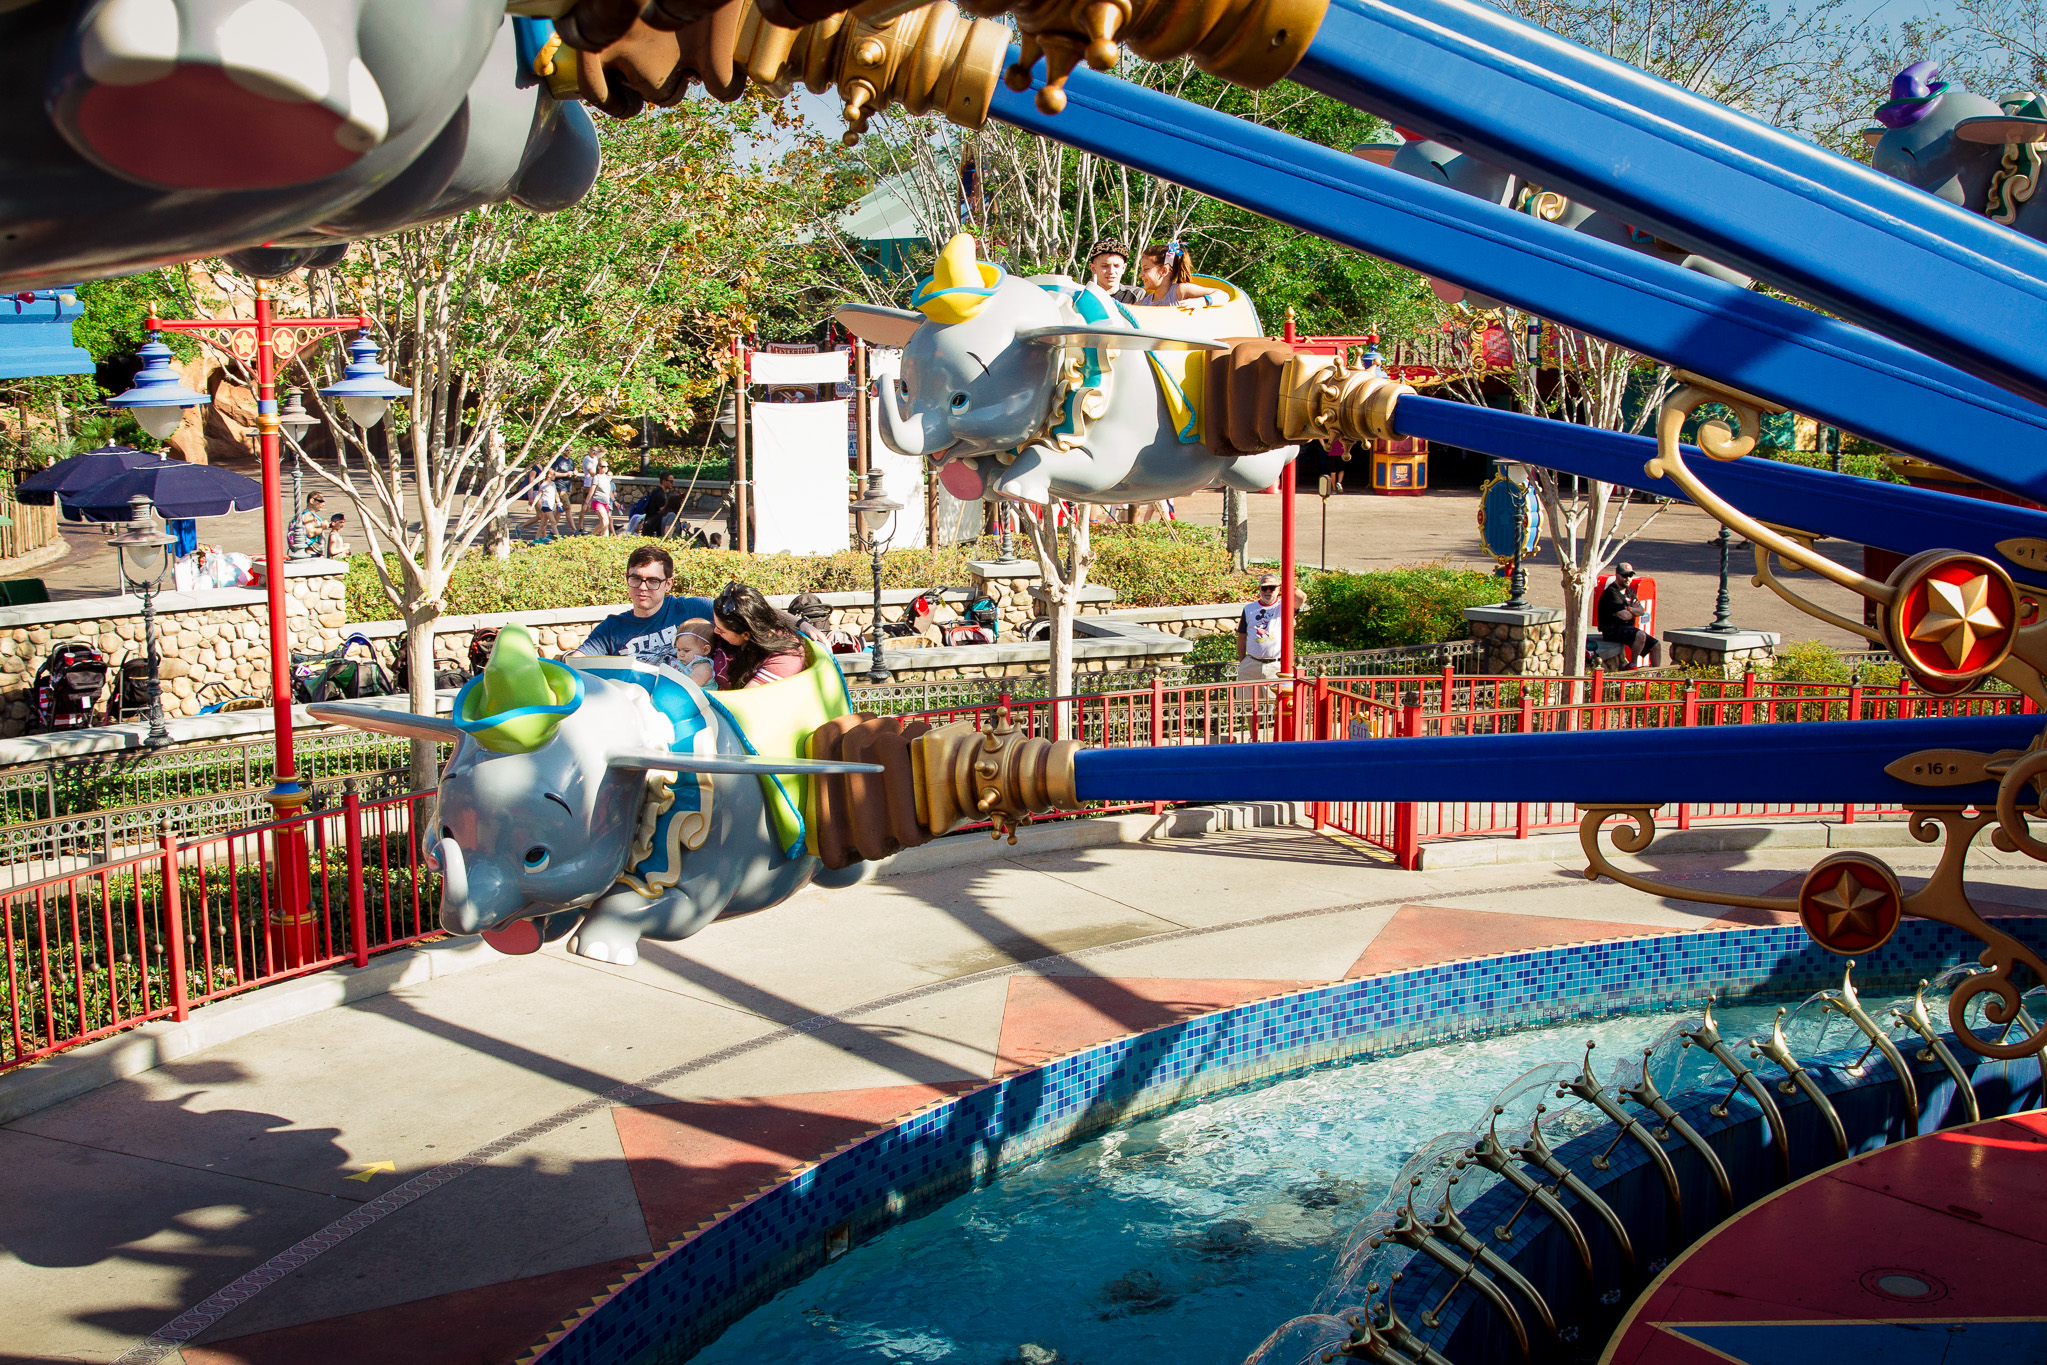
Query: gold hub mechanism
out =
(1251, 43)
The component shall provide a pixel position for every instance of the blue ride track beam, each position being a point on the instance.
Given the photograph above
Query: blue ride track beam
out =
(1824, 762)
(1813, 364)
(1863, 511)
(1828, 230)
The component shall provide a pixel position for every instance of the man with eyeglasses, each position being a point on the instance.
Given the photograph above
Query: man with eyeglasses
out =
(647, 632)
(1258, 634)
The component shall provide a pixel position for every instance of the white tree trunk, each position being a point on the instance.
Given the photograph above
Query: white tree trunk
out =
(1063, 584)
(501, 524)
(419, 662)
(1237, 527)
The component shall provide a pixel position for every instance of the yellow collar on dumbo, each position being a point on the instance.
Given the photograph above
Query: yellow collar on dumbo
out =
(515, 705)
(960, 286)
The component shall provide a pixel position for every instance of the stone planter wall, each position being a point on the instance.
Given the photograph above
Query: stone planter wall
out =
(220, 636)
(1731, 654)
(1519, 642)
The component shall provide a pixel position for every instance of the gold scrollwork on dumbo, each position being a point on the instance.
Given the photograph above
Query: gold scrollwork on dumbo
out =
(1637, 840)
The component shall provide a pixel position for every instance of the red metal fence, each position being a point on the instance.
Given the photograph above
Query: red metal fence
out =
(152, 934)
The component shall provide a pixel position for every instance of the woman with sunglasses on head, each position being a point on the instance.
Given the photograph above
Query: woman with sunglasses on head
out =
(1168, 279)
(760, 644)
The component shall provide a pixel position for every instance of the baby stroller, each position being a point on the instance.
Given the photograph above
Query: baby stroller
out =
(68, 686)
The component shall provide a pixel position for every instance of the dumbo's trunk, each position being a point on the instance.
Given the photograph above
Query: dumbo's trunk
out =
(472, 898)
(905, 434)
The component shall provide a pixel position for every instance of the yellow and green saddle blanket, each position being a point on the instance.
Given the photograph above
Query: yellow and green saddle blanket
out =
(776, 720)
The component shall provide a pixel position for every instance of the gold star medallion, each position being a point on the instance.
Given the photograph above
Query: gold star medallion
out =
(1850, 903)
(1955, 614)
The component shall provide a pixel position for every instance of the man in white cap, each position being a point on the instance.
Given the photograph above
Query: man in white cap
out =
(1258, 634)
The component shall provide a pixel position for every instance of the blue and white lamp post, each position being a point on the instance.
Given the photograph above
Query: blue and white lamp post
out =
(365, 391)
(158, 397)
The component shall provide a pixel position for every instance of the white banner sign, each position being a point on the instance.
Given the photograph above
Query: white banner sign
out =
(901, 475)
(799, 476)
(820, 367)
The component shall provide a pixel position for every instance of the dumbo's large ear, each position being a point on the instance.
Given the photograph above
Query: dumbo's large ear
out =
(1120, 338)
(386, 722)
(744, 764)
(879, 326)
(1998, 129)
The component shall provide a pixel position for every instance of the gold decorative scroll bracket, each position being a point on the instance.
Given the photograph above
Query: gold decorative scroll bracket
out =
(1855, 891)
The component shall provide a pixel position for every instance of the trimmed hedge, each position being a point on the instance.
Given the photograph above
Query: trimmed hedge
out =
(1419, 604)
(1155, 565)
(589, 571)
(1167, 564)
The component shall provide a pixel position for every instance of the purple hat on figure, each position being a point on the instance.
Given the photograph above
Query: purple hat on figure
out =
(1914, 93)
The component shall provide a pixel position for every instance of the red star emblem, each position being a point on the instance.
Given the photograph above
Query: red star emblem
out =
(1850, 903)
(1954, 618)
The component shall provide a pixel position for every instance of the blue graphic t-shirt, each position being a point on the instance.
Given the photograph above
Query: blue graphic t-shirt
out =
(650, 639)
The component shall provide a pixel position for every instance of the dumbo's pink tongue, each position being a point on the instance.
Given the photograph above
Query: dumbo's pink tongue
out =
(520, 937)
(961, 479)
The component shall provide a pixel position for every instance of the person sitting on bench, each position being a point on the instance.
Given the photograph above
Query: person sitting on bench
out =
(1619, 610)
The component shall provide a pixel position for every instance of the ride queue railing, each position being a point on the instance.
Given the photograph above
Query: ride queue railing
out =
(155, 932)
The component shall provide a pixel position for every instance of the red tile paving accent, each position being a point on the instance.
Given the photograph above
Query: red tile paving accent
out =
(1051, 1016)
(468, 1327)
(1958, 1209)
(1418, 935)
(691, 1161)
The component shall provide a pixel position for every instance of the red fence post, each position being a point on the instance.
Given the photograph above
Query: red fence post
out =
(1318, 811)
(351, 833)
(1527, 728)
(1748, 696)
(174, 926)
(1598, 698)
(1689, 717)
(1407, 842)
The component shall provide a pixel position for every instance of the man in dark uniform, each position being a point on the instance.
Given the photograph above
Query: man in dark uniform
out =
(1619, 610)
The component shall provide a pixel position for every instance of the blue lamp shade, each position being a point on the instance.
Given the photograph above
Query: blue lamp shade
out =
(158, 398)
(365, 391)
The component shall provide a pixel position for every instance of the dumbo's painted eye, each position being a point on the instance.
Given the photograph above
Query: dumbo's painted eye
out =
(536, 859)
(903, 387)
(959, 400)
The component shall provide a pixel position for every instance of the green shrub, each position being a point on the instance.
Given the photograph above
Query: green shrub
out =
(1412, 605)
(1813, 661)
(1167, 564)
(1863, 464)
(1155, 565)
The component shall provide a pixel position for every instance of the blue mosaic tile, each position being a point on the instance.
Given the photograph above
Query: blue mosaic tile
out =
(691, 1291)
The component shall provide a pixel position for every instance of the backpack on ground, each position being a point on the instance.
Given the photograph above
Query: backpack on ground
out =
(68, 686)
(348, 673)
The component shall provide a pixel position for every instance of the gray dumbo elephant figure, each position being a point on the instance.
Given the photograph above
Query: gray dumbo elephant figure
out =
(147, 131)
(612, 800)
(1983, 155)
(1442, 165)
(1040, 389)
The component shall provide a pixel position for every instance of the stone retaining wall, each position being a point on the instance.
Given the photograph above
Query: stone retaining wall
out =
(219, 637)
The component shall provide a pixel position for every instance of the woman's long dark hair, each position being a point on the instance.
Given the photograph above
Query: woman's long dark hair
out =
(741, 608)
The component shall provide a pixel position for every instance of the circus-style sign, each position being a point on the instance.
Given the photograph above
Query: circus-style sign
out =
(1850, 903)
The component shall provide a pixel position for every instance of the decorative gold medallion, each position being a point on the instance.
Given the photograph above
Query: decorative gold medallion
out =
(1850, 903)
(1952, 618)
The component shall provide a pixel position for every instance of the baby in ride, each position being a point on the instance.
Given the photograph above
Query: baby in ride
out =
(693, 644)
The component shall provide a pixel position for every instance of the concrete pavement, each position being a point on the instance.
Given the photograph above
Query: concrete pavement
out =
(444, 1171)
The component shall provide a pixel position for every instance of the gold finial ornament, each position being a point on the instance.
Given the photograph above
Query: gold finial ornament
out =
(1251, 43)
(999, 774)
(930, 60)
(1321, 397)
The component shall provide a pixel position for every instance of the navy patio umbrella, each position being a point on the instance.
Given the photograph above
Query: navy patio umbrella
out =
(178, 490)
(66, 478)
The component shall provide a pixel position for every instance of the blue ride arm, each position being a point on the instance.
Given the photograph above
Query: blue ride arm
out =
(1895, 516)
(1823, 762)
(1827, 369)
(1696, 173)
